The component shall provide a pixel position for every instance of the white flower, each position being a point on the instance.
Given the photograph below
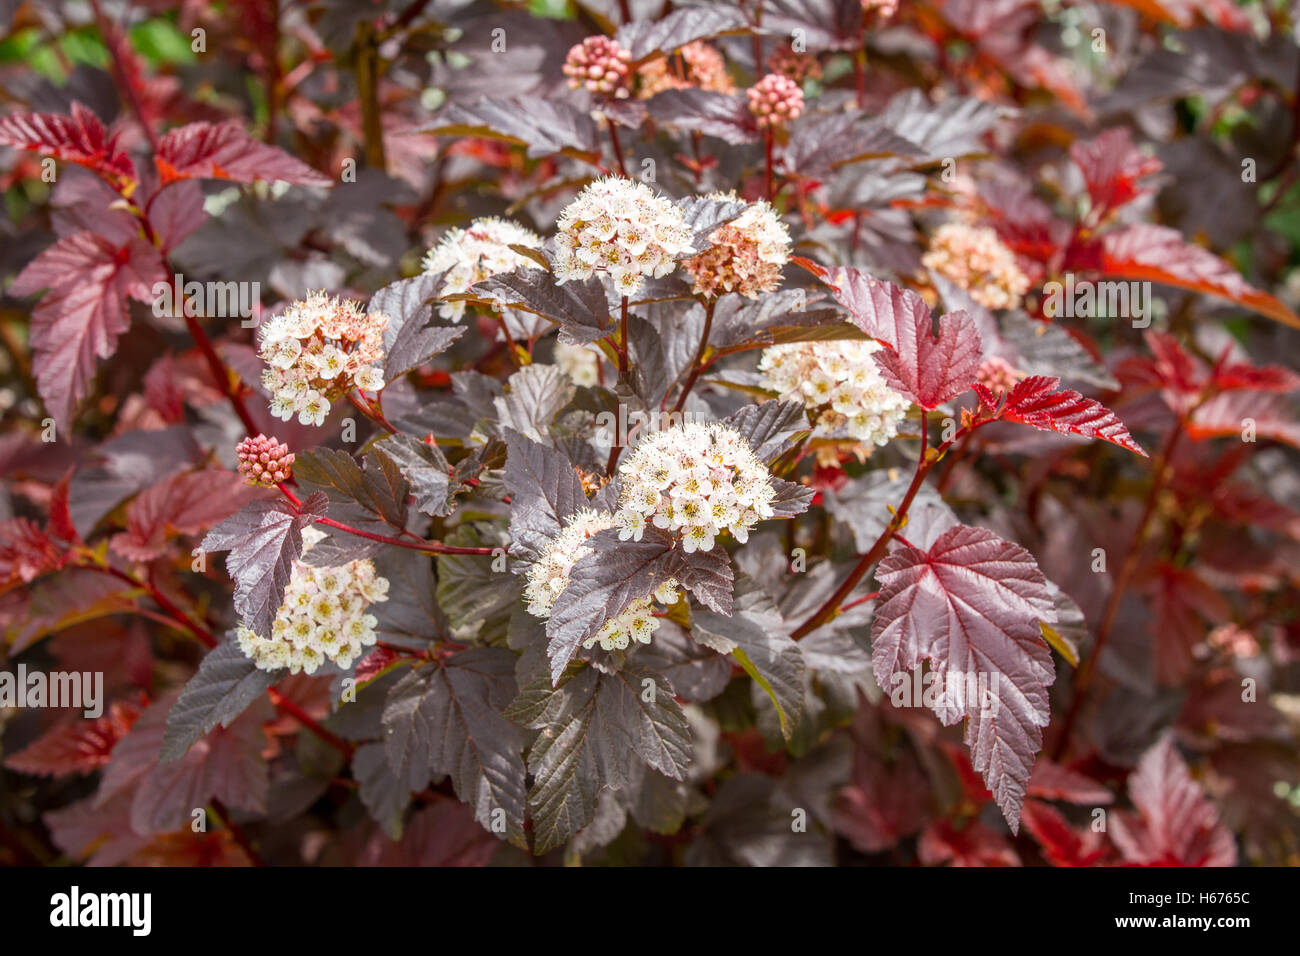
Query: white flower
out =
(370, 379)
(697, 480)
(549, 576)
(580, 363)
(840, 385)
(619, 226)
(321, 617)
(472, 254)
(316, 351)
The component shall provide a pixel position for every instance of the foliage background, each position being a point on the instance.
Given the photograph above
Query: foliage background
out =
(1207, 529)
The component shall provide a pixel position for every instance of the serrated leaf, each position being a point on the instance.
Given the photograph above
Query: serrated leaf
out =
(533, 396)
(224, 685)
(84, 310)
(205, 150)
(644, 39)
(757, 637)
(971, 604)
(264, 539)
(544, 490)
(928, 369)
(1037, 402)
(79, 138)
(543, 126)
(580, 309)
(450, 722)
(425, 468)
(1176, 824)
(378, 491)
(1154, 253)
(770, 428)
(724, 115)
(592, 728)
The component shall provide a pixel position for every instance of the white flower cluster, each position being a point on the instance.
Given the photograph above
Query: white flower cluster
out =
(317, 350)
(619, 226)
(840, 385)
(548, 578)
(472, 254)
(323, 616)
(580, 363)
(747, 253)
(696, 480)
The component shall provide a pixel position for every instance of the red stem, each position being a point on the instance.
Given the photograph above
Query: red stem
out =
(924, 463)
(285, 705)
(1122, 581)
(697, 363)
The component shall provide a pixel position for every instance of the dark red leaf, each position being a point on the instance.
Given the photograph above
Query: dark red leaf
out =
(973, 844)
(1063, 845)
(971, 605)
(1175, 824)
(26, 551)
(1112, 167)
(1036, 402)
(1247, 416)
(183, 504)
(76, 746)
(85, 310)
(226, 151)
(79, 138)
(930, 370)
(1159, 254)
(1051, 781)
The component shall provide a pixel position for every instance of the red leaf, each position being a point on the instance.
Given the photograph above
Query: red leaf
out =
(1111, 166)
(183, 504)
(89, 280)
(1182, 602)
(973, 845)
(1051, 781)
(927, 369)
(1062, 844)
(882, 804)
(226, 764)
(61, 524)
(1176, 824)
(444, 834)
(79, 138)
(1186, 13)
(971, 605)
(1036, 402)
(1268, 414)
(26, 551)
(1227, 377)
(226, 151)
(1160, 254)
(76, 746)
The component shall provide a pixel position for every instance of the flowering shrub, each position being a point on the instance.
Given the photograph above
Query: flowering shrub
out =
(833, 431)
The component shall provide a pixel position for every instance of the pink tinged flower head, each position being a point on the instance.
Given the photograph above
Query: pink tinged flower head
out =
(746, 255)
(775, 100)
(264, 460)
(797, 66)
(599, 65)
(318, 350)
(883, 9)
(975, 259)
(695, 66)
(997, 375)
